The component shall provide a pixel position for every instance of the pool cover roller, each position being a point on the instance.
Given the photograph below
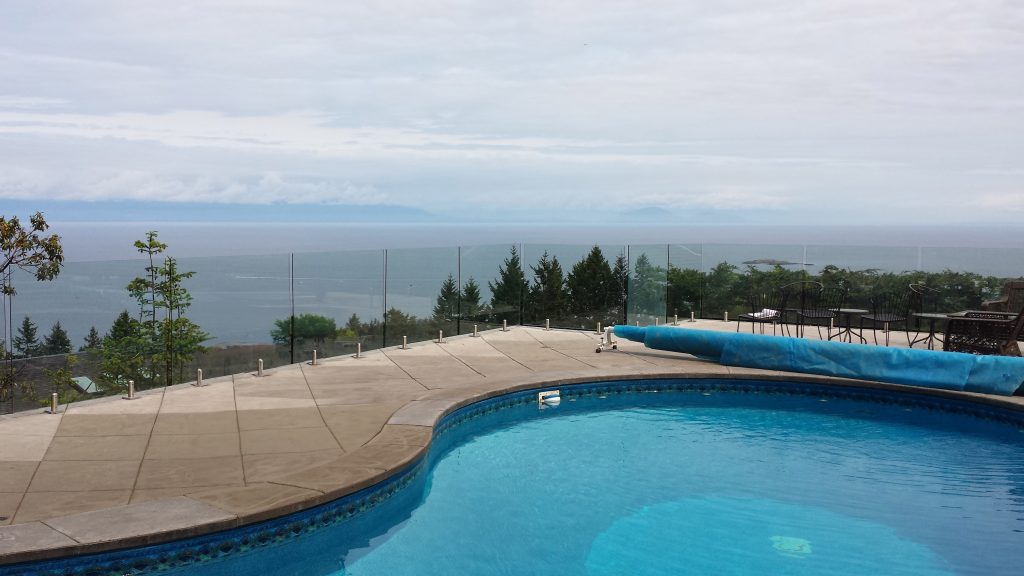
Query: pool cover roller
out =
(931, 368)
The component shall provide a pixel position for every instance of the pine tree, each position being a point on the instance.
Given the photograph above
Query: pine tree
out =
(181, 337)
(471, 299)
(121, 352)
(591, 286)
(92, 340)
(647, 288)
(169, 340)
(26, 344)
(547, 294)
(57, 342)
(508, 290)
(620, 288)
(447, 306)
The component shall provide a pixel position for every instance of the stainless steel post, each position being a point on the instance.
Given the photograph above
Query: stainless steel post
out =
(405, 342)
(54, 403)
(131, 391)
(259, 367)
(314, 357)
(547, 324)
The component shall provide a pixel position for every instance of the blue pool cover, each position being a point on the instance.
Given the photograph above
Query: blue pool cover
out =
(931, 368)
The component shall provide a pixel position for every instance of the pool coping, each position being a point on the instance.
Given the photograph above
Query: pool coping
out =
(403, 441)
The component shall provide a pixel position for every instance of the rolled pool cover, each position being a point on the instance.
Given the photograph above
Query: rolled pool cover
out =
(934, 369)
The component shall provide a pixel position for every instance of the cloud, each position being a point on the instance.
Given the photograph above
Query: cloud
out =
(15, 102)
(268, 188)
(477, 107)
(1006, 202)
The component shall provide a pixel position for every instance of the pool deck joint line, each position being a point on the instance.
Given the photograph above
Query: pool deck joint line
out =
(184, 461)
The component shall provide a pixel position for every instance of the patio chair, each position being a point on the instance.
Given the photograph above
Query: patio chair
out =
(1012, 299)
(886, 310)
(985, 333)
(816, 305)
(923, 308)
(923, 298)
(765, 308)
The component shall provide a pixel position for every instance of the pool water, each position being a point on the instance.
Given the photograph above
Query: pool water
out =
(690, 483)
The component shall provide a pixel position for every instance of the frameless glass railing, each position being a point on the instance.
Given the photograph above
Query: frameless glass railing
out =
(279, 308)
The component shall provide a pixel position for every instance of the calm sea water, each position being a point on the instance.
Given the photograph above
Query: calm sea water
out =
(243, 275)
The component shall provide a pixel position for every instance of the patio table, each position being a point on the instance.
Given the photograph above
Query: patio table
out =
(931, 337)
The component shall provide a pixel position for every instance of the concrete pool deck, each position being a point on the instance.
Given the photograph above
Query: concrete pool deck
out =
(183, 461)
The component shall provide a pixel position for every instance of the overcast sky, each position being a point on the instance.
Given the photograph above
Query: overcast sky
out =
(818, 111)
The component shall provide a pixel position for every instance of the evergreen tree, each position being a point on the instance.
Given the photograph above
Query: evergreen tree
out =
(121, 352)
(57, 342)
(508, 290)
(447, 306)
(646, 289)
(591, 287)
(169, 340)
(547, 294)
(92, 340)
(401, 324)
(620, 288)
(354, 324)
(682, 294)
(26, 344)
(181, 337)
(719, 290)
(471, 307)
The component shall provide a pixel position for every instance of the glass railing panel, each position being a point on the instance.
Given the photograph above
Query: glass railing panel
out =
(734, 271)
(685, 281)
(864, 271)
(478, 271)
(83, 297)
(648, 270)
(236, 301)
(421, 294)
(339, 302)
(965, 278)
(506, 280)
(595, 282)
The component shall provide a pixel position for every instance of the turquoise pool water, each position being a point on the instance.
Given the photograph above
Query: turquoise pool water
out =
(725, 483)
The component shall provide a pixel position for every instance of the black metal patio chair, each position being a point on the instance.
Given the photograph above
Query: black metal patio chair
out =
(765, 308)
(887, 310)
(812, 303)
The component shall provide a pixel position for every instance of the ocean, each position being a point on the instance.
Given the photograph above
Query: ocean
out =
(244, 274)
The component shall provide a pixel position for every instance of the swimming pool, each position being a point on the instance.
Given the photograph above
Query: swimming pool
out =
(667, 477)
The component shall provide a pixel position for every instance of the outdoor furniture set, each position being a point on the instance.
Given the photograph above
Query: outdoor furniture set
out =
(995, 329)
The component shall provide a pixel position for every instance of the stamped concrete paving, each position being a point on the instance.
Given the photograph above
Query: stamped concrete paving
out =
(184, 460)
